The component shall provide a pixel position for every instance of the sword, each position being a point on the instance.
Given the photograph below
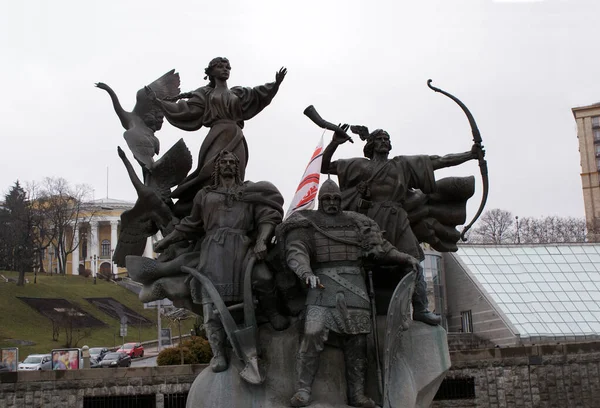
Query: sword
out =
(375, 335)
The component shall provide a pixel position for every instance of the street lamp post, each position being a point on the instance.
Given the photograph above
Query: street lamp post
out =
(518, 235)
(95, 267)
(112, 265)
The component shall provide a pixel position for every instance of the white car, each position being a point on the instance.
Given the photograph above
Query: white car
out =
(34, 361)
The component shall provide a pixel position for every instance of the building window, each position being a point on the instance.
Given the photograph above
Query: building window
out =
(466, 321)
(598, 163)
(596, 135)
(43, 253)
(595, 121)
(83, 246)
(105, 248)
(456, 388)
(124, 401)
(598, 150)
(177, 400)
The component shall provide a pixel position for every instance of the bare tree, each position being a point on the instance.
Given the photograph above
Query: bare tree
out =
(43, 230)
(500, 227)
(494, 227)
(68, 320)
(551, 229)
(61, 208)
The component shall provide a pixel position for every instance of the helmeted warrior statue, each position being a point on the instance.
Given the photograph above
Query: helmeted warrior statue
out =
(327, 249)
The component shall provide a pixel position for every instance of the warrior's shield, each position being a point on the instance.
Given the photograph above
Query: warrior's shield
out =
(398, 320)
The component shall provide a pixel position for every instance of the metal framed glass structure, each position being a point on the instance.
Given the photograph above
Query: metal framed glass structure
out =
(544, 290)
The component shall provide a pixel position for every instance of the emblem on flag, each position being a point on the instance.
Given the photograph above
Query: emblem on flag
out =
(306, 193)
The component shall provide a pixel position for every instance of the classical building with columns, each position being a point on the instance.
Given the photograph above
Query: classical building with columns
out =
(97, 236)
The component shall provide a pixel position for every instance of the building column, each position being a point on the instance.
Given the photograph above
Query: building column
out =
(148, 250)
(113, 245)
(75, 253)
(93, 239)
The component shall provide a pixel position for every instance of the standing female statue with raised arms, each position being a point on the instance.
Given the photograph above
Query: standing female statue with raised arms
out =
(224, 111)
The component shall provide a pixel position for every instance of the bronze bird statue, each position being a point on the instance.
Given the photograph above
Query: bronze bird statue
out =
(145, 118)
(152, 211)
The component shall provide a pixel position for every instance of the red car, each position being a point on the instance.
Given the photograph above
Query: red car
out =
(133, 350)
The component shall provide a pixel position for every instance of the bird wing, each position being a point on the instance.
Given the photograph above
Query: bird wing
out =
(171, 169)
(142, 143)
(136, 227)
(167, 85)
(144, 219)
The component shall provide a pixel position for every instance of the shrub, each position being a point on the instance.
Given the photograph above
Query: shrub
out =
(196, 350)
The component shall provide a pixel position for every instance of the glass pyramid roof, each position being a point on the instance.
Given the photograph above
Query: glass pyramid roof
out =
(544, 290)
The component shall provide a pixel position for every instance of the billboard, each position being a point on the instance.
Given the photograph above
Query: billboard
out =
(66, 359)
(10, 357)
(165, 337)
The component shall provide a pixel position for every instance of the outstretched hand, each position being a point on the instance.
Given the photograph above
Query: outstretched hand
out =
(280, 75)
(340, 136)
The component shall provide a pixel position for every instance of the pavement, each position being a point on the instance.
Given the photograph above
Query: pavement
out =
(150, 354)
(149, 361)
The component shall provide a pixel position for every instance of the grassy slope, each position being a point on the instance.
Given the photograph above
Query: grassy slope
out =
(20, 321)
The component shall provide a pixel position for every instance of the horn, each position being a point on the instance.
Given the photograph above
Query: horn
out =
(313, 115)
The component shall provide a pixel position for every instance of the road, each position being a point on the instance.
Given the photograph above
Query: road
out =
(144, 362)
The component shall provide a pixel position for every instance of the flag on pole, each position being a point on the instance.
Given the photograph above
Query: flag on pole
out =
(306, 193)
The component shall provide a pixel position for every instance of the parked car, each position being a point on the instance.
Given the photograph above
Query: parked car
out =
(46, 366)
(116, 360)
(133, 350)
(98, 353)
(94, 363)
(34, 361)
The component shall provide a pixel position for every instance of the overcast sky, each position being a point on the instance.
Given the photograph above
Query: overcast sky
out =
(520, 68)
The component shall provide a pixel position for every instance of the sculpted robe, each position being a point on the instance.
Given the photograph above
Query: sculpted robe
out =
(400, 174)
(228, 222)
(224, 113)
(416, 207)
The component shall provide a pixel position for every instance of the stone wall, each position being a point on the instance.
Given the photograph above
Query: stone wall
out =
(554, 376)
(50, 389)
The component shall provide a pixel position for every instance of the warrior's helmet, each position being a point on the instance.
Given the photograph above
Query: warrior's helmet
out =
(331, 188)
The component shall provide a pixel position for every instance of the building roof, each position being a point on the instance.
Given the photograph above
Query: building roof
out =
(111, 203)
(544, 290)
(580, 109)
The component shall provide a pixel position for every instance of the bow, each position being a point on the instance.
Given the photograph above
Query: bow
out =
(480, 157)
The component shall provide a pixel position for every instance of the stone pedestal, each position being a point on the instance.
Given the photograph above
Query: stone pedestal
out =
(419, 373)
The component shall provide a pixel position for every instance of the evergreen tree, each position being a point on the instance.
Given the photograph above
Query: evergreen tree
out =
(17, 241)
